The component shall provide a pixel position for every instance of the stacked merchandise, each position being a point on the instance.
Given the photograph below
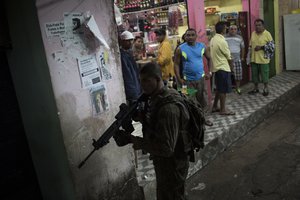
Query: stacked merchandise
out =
(137, 5)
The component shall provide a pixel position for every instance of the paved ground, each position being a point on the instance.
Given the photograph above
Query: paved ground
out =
(250, 111)
(263, 165)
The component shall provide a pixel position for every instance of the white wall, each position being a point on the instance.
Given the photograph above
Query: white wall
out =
(109, 167)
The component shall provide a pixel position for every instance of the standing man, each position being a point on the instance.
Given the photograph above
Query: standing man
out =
(129, 68)
(164, 57)
(180, 64)
(164, 141)
(222, 67)
(261, 43)
(237, 49)
(190, 54)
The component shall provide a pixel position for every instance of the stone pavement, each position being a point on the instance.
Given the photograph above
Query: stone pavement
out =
(250, 111)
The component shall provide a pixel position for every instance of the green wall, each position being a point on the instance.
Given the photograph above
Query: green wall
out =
(268, 9)
(33, 87)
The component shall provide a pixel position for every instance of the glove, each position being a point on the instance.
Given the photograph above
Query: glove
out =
(122, 138)
(127, 126)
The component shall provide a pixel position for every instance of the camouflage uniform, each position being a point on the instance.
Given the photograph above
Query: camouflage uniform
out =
(164, 141)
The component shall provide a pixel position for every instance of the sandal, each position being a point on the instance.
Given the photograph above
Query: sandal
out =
(227, 113)
(265, 92)
(253, 91)
(238, 91)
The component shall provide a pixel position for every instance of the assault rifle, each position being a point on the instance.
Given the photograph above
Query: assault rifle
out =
(123, 119)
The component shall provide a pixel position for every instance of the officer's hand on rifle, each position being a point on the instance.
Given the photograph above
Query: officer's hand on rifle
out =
(122, 138)
(138, 116)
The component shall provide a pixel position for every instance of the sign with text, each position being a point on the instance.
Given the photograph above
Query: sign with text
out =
(54, 29)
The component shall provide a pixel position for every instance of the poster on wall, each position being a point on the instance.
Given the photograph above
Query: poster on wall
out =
(229, 16)
(54, 29)
(102, 57)
(99, 99)
(93, 27)
(92, 36)
(71, 40)
(59, 56)
(89, 70)
(72, 22)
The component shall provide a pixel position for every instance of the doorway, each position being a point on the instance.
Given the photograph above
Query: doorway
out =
(17, 174)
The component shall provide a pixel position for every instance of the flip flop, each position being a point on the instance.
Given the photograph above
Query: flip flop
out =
(253, 91)
(213, 110)
(227, 113)
(265, 92)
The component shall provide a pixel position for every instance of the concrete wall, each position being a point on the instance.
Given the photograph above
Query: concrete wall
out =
(281, 7)
(285, 7)
(58, 113)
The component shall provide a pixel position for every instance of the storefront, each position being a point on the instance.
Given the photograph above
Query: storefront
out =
(233, 13)
(142, 17)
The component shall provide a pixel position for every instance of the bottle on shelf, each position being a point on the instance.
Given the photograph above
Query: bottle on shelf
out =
(142, 2)
(144, 55)
(152, 3)
(158, 17)
(184, 87)
(137, 5)
(147, 4)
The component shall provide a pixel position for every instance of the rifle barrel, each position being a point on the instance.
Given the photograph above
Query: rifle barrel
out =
(83, 162)
(121, 116)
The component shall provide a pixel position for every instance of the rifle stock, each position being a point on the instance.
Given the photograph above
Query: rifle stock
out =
(123, 119)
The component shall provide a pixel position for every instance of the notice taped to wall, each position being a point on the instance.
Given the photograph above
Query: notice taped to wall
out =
(90, 73)
(73, 22)
(59, 56)
(102, 59)
(99, 99)
(54, 29)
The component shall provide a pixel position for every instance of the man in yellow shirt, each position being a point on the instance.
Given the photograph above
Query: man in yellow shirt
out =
(222, 67)
(164, 57)
(259, 61)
